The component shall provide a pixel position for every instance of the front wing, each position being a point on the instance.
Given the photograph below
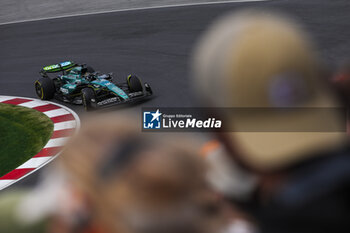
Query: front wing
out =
(112, 101)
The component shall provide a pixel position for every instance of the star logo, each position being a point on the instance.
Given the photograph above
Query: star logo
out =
(156, 115)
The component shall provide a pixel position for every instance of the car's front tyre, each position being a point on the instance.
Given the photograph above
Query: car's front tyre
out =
(88, 97)
(45, 88)
(134, 83)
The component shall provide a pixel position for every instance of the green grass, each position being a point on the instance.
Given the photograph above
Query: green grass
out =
(23, 133)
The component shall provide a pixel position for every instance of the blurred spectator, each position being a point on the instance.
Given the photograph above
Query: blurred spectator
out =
(142, 183)
(341, 80)
(285, 181)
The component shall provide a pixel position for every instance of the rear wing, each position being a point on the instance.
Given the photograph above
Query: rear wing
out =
(60, 67)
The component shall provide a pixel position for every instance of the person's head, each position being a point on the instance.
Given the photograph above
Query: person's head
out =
(262, 61)
(86, 70)
(76, 70)
(140, 183)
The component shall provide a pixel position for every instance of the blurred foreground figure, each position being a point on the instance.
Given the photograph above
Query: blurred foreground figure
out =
(286, 181)
(138, 183)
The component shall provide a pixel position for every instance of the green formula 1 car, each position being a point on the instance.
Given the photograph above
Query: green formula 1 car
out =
(80, 84)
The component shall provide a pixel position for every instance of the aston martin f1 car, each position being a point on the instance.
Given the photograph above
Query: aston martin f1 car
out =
(81, 84)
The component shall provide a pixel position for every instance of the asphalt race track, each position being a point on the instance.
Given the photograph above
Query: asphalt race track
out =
(155, 44)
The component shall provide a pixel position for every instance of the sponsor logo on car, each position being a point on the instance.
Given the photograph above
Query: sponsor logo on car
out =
(108, 101)
(134, 94)
(66, 63)
(64, 90)
(51, 67)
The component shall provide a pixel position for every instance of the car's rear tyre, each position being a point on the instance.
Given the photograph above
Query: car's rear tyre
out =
(45, 88)
(134, 83)
(88, 97)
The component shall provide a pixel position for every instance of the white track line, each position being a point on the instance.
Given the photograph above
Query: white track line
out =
(33, 104)
(4, 98)
(56, 112)
(64, 125)
(132, 9)
(56, 142)
(34, 162)
(5, 183)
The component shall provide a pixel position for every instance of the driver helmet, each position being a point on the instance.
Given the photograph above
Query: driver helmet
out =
(76, 70)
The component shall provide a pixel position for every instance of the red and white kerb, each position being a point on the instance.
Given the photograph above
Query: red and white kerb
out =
(66, 123)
